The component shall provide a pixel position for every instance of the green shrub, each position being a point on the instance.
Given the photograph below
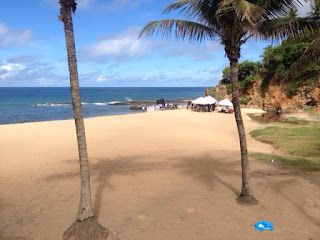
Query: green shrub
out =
(229, 88)
(245, 100)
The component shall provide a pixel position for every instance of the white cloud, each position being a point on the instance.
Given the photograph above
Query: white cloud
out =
(201, 52)
(10, 69)
(124, 46)
(22, 59)
(34, 73)
(13, 37)
(3, 29)
(102, 78)
(42, 81)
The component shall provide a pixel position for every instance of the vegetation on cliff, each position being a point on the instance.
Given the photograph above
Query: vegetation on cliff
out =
(278, 63)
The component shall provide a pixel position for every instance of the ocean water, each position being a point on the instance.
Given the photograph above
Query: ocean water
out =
(19, 105)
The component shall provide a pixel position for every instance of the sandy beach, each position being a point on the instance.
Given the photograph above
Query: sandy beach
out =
(170, 175)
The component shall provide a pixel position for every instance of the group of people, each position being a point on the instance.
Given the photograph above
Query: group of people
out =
(201, 108)
(159, 107)
(209, 108)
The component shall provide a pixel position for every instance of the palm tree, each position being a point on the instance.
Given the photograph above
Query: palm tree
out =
(311, 55)
(85, 213)
(293, 13)
(233, 23)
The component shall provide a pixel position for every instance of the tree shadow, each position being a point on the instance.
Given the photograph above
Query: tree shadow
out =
(206, 169)
(104, 169)
(277, 187)
(101, 171)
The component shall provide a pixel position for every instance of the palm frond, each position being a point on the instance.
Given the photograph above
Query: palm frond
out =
(183, 29)
(279, 8)
(247, 13)
(282, 28)
(246, 10)
(308, 60)
(181, 4)
(69, 4)
(66, 7)
(203, 11)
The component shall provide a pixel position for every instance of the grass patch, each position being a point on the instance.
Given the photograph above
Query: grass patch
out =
(303, 142)
(289, 161)
(310, 108)
(297, 120)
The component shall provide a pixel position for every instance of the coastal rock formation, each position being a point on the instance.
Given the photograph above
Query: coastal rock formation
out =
(147, 102)
(275, 97)
(136, 107)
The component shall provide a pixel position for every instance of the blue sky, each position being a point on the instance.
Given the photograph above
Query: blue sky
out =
(32, 47)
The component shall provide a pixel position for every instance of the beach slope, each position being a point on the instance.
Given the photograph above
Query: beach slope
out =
(163, 175)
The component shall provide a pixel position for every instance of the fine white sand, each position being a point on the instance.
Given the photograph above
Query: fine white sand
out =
(164, 175)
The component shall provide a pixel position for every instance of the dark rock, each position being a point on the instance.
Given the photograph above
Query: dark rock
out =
(136, 107)
(148, 102)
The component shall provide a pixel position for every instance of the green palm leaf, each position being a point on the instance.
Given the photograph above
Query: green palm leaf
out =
(244, 10)
(182, 29)
(282, 28)
(309, 58)
(279, 8)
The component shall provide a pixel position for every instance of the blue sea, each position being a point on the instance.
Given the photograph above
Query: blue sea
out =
(20, 105)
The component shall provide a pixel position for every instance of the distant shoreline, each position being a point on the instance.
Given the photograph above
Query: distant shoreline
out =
(20, 105)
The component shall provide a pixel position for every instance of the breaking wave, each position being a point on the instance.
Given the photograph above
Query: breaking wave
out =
(100, 104)
(50, 104)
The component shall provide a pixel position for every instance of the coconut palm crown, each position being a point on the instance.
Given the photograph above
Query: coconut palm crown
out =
(233, 23)
(311, 55)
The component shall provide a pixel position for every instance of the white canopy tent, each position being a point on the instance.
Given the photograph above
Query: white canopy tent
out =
(226, 102)
(204, 101)
(210, 100)
(198, 101)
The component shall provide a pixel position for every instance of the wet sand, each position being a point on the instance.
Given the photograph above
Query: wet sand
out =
(161, 175)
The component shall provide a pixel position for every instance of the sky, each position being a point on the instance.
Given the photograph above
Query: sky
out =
(109, 52)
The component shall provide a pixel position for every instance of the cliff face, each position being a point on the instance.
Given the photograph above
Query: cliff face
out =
(275, 97)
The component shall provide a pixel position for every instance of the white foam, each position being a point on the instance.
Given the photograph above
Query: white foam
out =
(41, 105)
(100, 104)
(49, 104)
(128, 99)
(58, 104)
(113, 102)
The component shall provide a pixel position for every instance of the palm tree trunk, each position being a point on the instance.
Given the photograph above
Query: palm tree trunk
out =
(246, 189)
(85, 206)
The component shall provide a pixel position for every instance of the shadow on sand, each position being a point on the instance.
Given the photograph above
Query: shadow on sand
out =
(101, 171)
(206, 169)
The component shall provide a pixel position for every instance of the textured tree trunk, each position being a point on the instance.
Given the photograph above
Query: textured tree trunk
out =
(85, 206)
(246, 189)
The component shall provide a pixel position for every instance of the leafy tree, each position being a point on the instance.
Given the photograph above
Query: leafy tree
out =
(226, 73)
(281, 62)
(233, 22)
(246, 74)
(311, 54)
(85, 227)
(246, 69)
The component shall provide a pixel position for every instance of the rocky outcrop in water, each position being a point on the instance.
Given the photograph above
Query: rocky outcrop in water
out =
(147, 102)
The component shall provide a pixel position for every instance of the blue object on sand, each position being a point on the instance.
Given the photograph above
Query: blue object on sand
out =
(264, 225)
